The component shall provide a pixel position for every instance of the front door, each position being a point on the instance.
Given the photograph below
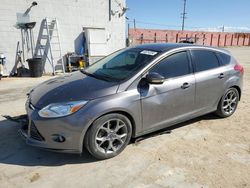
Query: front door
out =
(173, 100)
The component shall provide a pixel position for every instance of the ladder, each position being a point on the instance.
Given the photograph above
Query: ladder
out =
(48, 46)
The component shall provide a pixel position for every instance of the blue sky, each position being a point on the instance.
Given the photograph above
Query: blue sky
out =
(234, 14)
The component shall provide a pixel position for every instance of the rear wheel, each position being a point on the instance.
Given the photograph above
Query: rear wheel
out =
(228, 103)
(108, 136)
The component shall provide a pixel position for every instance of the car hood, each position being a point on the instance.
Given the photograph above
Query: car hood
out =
(72, 87)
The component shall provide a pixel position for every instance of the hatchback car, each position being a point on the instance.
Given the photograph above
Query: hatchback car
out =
(130, 93)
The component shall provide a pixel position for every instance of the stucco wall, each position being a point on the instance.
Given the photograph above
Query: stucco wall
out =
(72, 16)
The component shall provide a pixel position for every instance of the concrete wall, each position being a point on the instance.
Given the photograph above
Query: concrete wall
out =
(72, 16)
(139, 36)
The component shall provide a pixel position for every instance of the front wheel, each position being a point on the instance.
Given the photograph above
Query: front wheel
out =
(228, 103)
(108, 136)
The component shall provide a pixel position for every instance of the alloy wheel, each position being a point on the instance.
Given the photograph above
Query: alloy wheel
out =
(230, 102)
(111, 136)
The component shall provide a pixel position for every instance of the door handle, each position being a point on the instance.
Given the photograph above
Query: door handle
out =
(185, 85)
(221, 76)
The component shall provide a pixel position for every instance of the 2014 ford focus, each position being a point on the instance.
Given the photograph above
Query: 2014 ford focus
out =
(130, 93)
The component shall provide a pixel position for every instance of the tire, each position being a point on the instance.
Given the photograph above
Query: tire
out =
(228, 103)
(108, 136)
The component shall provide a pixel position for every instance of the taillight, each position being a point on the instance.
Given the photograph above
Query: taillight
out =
(239, 68)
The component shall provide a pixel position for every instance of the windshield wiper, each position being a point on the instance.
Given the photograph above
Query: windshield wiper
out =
(95, 76)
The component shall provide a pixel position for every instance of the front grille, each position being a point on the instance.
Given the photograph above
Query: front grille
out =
(34, 133)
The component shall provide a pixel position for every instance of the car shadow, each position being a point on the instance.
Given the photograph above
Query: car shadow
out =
(168, 130)
(14, 151)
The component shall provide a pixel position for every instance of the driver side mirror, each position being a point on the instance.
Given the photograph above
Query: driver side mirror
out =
(155, 78)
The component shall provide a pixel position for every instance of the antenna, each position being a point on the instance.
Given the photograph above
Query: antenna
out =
(183, 15)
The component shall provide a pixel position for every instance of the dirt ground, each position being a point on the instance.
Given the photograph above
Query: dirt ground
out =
(204, 152)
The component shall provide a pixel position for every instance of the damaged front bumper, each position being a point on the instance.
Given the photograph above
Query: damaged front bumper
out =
(58, 134)
(24, 133)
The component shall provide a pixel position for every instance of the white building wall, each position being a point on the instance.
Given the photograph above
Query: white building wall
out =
(72, 16)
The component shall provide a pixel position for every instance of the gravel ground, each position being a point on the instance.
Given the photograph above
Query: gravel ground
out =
(204, 152)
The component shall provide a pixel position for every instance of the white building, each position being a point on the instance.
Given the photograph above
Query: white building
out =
(104, 20)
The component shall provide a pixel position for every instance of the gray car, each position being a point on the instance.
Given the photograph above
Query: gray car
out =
(130, 93)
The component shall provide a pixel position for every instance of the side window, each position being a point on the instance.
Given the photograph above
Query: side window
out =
(224, 58)
(205, 60)
(173, 66)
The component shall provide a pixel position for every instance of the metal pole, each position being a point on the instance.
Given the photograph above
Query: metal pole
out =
(184, 15)
(22, 35)
(141, 38)
(232, 38)
(134, 24)
(31, 43)
(223, 28)
(110, 10)
(211, 42)
(225, 40)
(128, 39)
(218, 43)
(128, 30)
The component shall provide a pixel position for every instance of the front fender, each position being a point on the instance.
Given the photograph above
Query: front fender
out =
(127, 102)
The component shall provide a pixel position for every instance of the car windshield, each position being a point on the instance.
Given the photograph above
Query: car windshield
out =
(121, 65)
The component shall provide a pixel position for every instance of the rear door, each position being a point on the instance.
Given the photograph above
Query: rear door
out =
(174, 99)
(209, 76)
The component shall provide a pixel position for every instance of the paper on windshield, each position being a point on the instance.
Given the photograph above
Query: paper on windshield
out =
(149, 52)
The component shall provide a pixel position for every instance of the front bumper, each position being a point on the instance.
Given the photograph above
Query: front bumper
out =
(36, 143)
(43, 133)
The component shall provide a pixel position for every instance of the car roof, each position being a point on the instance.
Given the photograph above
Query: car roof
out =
(164, 47)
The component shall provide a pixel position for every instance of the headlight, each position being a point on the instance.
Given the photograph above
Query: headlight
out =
(61, 109)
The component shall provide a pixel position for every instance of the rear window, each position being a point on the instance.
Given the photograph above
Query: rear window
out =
(224, 58)
(205, 60)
